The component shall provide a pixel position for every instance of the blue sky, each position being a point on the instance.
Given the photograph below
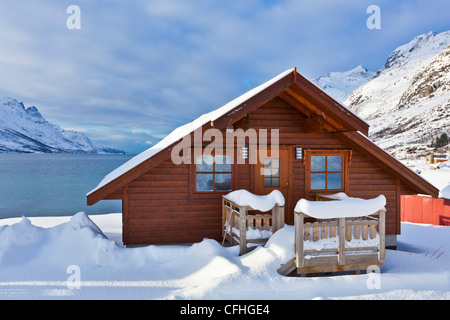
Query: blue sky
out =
(138, 69)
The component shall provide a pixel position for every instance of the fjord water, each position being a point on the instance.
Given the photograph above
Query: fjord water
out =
(35, 185)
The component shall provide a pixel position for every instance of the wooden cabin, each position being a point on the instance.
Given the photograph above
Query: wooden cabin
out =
(323, 149)
(436, 158)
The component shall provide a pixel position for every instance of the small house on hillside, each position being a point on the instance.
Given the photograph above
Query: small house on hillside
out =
(323, 149)
(436, 158)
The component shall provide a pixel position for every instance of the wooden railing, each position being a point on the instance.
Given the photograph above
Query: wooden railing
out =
(237, 224)
(343, 244)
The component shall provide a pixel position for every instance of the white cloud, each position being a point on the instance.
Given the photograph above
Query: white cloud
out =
(158, 64)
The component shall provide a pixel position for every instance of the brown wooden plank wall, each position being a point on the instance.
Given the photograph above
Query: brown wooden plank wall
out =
(368, 180)
(160, 209)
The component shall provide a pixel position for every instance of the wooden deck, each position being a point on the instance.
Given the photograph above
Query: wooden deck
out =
(343, 244)
(237, 223)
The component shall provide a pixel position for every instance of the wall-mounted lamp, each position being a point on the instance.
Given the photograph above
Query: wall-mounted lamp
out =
(298, 153)
(244, 153)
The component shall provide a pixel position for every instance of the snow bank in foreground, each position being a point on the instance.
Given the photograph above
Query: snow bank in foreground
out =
(35, 255)
(261, 203)
(340, 209)
(78, 241)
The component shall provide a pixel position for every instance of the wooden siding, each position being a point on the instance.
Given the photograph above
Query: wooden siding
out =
(162, 207)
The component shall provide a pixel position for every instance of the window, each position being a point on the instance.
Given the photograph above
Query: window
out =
(326, 172)
(326, 169)
(271, 172)
(213, 173)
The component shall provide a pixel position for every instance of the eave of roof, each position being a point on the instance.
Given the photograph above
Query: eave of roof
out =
(412, 179)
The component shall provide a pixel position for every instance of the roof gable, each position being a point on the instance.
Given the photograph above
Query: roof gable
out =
(303, 95)
(289, 85)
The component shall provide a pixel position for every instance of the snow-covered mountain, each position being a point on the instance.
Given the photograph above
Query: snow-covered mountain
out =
(339, 85)
(407, 101)
(25, 130)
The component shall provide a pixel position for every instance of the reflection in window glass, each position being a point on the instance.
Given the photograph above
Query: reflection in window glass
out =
(334, 164)
(275, 163)
(223, 164)
(276, 172)
(334, 181)
(223, 182)
(205, 163)
(275, 182)
(318, 164)
(204, 182)
(317, 181)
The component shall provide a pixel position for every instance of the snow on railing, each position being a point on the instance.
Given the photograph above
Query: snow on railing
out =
(240, 225)
(345, 235)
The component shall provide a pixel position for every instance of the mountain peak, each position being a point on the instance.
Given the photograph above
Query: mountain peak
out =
(422, 46)
(12, 103)
(407, 102)
(25, 130)
(34, 112)
(359, 69)
(340, 85)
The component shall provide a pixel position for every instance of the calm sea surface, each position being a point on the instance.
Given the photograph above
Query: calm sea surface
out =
(54, 184)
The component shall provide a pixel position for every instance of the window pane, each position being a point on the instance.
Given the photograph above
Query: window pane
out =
(276, 172)
(334, 164)
(223, 163)
(267, 182)
(204, 182)
(204, 163)
(317, 181)
(275, 182)
(223, 182)
(267, 172)
(276, 163)
(267, 163)
(334, 181)
(317, 163)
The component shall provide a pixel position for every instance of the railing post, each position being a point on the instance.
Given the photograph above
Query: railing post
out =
(224, 219)
(274, 219)
(382, 233)
(280, 217)
(277, 218)
(299, 224)
(341, 234)
(242, 230)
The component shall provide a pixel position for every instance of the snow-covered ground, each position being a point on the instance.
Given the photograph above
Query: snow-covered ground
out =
(438, 174)
(41, 259)
(81, 257)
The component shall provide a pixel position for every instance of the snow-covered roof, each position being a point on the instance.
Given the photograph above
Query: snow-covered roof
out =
(184, 130)
(233, 110)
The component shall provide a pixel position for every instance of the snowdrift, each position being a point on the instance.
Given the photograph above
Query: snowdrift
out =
(34, 263)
